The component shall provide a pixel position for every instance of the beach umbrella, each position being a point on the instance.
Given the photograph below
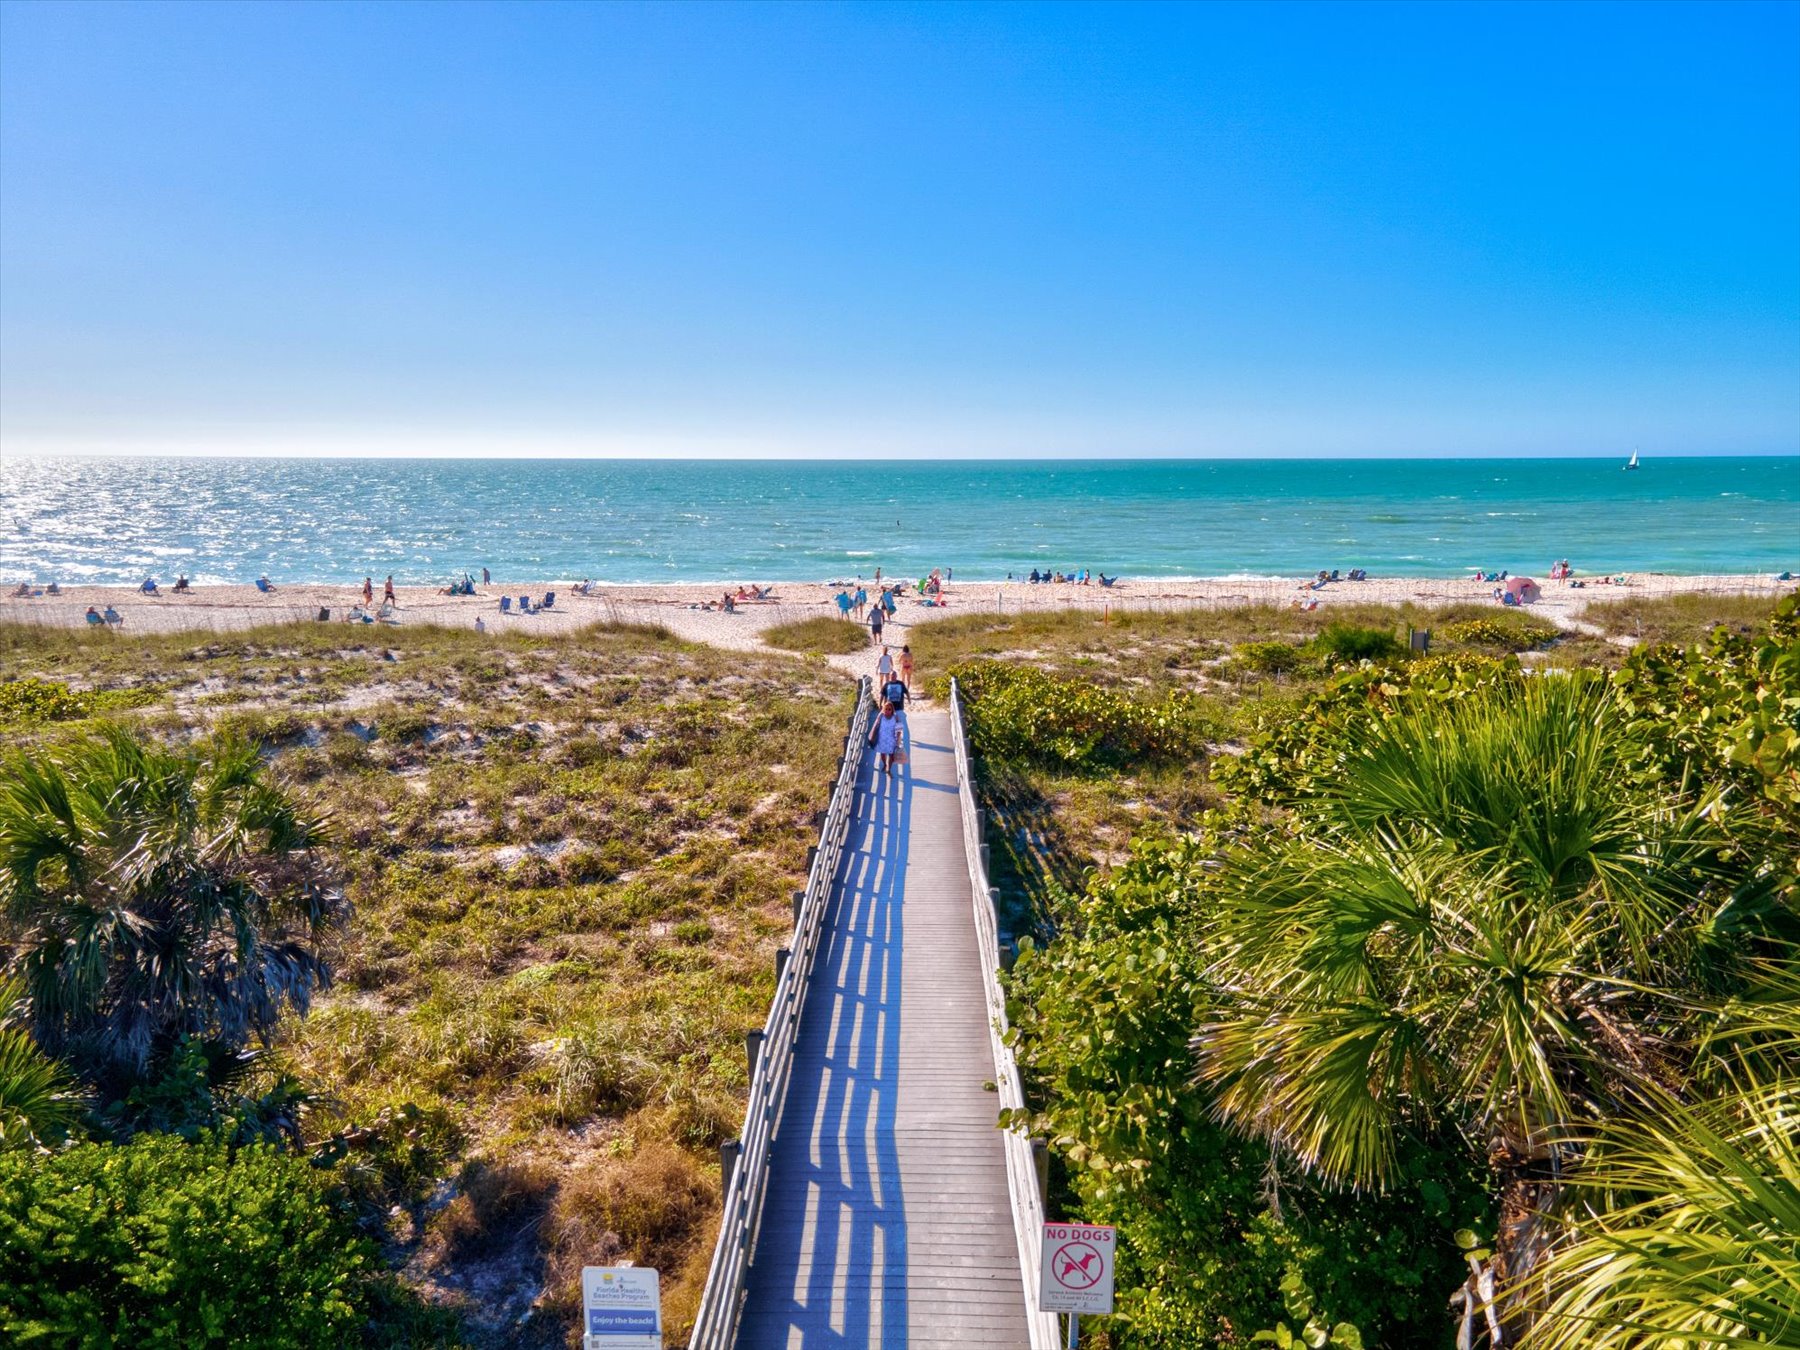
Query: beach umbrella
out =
(1523, 589)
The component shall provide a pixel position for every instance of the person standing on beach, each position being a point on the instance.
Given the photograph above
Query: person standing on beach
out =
(906, 668)
(883, 668)
(387, 591)
(876, 618)
(485, 578)
(862, 601)
(368, 590)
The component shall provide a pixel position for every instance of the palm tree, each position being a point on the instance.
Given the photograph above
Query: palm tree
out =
(1490, 917)
(1689, 1235)
(150, 896)
(38, 1101)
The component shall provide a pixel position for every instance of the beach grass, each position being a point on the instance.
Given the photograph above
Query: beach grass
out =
(1680, 618)
(822, 636)
(570, 859)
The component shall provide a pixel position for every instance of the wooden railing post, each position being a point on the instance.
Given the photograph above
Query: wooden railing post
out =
(753, 1043)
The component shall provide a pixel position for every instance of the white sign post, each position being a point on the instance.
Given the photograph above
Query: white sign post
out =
(621, 1308)
(1075, 1271)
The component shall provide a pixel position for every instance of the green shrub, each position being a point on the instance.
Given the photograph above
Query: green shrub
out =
(1510, 635)
(165, 1243)
(1021, 715)
(1212, 1226)
(1270, 658)
(1348, 645)
(32, 700)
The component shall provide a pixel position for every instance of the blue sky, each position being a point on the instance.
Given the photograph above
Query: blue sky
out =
(932, 230)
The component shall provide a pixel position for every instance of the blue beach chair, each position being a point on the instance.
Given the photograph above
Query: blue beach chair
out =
(506, 604)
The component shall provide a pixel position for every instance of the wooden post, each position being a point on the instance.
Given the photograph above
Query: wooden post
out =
(753, 1041)
(1040, 1163)
(729, 1153)
(799, 903)
(781, 959)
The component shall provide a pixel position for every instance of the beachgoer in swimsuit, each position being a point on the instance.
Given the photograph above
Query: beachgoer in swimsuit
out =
(387, 591)
(906, 668)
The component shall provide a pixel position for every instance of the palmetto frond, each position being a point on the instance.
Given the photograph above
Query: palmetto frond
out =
(1490, 914)
(1690, 1238)
(151, 895)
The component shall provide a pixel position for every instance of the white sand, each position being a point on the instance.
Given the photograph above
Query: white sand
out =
(223, 608)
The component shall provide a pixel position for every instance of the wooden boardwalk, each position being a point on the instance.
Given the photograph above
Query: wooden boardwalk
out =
(887, 1221)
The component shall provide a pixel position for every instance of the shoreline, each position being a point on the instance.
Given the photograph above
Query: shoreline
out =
(677, 605)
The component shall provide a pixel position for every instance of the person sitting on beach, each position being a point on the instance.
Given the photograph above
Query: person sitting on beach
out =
(181, 584)
(1033, 578)
(149, 586)
(23, 592)
(729, 606)
(93, 615)
(264, 585)
(53, 589)
(480, 627)
(1108, 581)
(112, 615)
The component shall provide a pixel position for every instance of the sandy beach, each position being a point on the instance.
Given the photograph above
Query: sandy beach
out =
(677, 607)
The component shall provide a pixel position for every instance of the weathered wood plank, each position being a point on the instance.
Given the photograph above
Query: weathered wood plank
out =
(887, 1221)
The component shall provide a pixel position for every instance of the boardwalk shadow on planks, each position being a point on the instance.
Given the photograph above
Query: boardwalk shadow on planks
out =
(835, 1217)
(888, 1221)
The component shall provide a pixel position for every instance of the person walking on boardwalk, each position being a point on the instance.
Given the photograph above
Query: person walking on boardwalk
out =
(877, 617)
(906, 668)
(884, 667)
(885, 736)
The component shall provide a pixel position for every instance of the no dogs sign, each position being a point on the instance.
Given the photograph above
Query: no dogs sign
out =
(1075, 1273)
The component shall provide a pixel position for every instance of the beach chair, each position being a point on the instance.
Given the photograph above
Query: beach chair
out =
(524, 604)
(94, 620)
(1108, 582)
(549, 600)
(262, 584)
(506, 604)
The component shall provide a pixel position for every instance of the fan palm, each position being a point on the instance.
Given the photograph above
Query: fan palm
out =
(149, 896)
(1690, 1238)
(38, 1103)
(1491, 917)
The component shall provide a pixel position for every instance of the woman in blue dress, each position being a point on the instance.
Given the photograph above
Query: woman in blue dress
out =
(885, 736)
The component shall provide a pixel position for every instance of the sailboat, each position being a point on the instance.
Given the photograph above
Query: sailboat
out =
(1632, 463)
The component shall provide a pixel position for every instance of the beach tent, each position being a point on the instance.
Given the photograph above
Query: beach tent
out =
(1523, 590)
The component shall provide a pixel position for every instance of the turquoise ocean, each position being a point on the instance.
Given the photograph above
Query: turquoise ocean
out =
(94, 520)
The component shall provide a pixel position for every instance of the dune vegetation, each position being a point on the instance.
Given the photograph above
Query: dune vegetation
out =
(525, 891)
(1424, 997)
(1368, 992)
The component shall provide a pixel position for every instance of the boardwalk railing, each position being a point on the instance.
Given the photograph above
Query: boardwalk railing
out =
(715, 1325)
(1021, 1166)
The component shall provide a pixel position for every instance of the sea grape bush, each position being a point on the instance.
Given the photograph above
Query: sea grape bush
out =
(1024, 716)
(1512, 635)
(162, 1242)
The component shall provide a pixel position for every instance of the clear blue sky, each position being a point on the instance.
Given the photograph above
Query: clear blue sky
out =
(930, 229)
